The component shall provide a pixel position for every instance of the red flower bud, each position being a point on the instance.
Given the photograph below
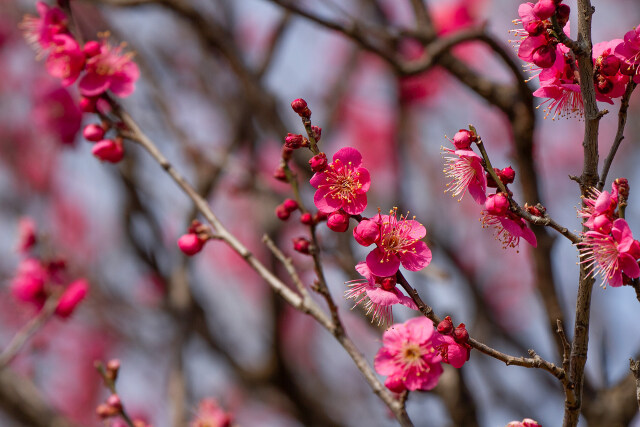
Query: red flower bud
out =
(190, 244)
(609, 65)
(300, 107)
(301, 245)
(544, 56)
(88, 105)
(463, 139)
(290, 205)
(319, 217)
(306, 218)
(286, 153)
(622, 185)
(338, 221)
(317, 132)
(544, 9)
(460, 334)
(497, 204)
(293, 141)
(445, 326)
(108, 150)
(93, 132)
(507, 175)
(562, 13)
(282, 212)
(318, 162)
(280, 174)
(71, 297)
(367, 232)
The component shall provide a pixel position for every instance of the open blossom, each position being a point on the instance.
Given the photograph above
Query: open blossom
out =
(377, 294)
(464, 167)
(399, 243)
(40, 31)
(109, 69)
(560, 83)
(408, 357)
(629, 52)
(66, 59)
(343, 184)
(609, 82)
(210, 414)
(599, 209)
(509, 229)
(611, 255)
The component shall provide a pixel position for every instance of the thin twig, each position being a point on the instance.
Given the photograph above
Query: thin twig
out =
(287, 263)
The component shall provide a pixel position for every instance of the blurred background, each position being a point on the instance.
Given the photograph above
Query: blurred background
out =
(217, 80)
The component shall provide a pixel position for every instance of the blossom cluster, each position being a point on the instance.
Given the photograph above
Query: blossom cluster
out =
(97, 66)
(466, 169)
(36, 279)
(608, 249)
(615, 61)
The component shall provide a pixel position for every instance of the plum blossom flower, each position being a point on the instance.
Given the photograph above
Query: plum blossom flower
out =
(210, 414)
(629, 52)
(599, 209)
(611, 255)
(560, 83)
(464, 167)
(110, 69)
(509, 229)
(343, 184)
(409, 357)
(452, 352)
(40, 31)
(399, 243)
(28, 285)
(377, 294)
(72, 296)
(66, 59)
(527, 422)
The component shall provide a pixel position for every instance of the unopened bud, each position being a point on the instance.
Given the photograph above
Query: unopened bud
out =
(93, 132)
(91, 48)
(460, 334)
(287, 153)
(544, 9)
(300, 107)
(290, 205)
(105, 411)
(319, 217)
(445, 327)
(463, 139)
(280, 174)
(318, 162)
(497, 204)
(302, 245)
(109, 150)
(115, 402)
(507, 175)
(338, 221)
(293, 141)
(367, 232)
(544, 56)
(622, 185)
(306, 218)
(282, 212)
(317, 132)
(609, 65)
(87, 105)
(190, 244)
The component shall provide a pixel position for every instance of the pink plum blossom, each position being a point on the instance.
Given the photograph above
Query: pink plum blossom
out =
(57, 112)
(72, 296)
(599, 209)
(40, 31)
(629, 52)
(343, 184)
(399, 243)
(110, 69)
(66, 59)
(611, 255)
(608, 87)
(464, 167)
(509, 229)
(377, 294)
(452, 352)
(408, 357)
(28, 285)
(210, 414)
(527, 422)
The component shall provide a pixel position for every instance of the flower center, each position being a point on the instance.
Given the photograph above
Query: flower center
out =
(343, 181)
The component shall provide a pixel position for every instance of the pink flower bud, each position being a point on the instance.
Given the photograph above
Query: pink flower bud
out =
(29, 281)
(290, 205)
(71, 297)
(190, 244)
(507, 175)
(317, 132)
(609, 65)
(105, 411)
(622, 187)
(301, 245)
(463, 139)
(497, 204)
(544, 56)
(300, 107)
(367, 232)
(544, 9)
(88, 105)
(460, 334)
(445, 327)
(91, 48)
(318, 162)
(306, 218)
(338, 221)
(26, 235)
(108, 150)
(113, 367)
(319, 217)
(293, 141)
(280, 174)
(115, 402)
(282, 212)
(93, 132)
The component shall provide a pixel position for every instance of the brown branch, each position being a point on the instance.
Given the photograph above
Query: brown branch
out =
(622, 121)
